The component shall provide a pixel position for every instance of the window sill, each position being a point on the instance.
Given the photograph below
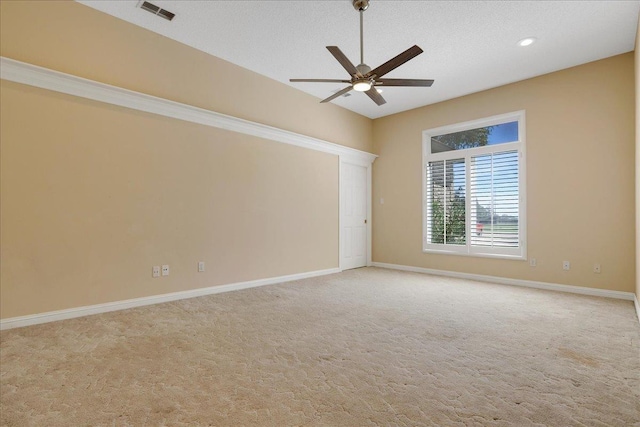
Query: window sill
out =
(518, 257)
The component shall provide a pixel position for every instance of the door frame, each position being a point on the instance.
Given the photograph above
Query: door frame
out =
(368, 165)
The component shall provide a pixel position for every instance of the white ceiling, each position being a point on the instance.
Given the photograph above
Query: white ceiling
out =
(468, 46)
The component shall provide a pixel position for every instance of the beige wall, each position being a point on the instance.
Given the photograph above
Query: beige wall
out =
(580, 177)
(93, 195)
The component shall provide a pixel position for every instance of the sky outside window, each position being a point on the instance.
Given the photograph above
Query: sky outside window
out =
(505, 132)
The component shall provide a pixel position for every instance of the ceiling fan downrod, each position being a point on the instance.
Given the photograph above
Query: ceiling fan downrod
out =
(361, 6)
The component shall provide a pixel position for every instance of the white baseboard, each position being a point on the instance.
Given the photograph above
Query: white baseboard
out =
(53, 316)
(630, 296)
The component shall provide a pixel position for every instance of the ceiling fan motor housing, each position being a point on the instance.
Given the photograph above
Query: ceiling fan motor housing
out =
(363, 69)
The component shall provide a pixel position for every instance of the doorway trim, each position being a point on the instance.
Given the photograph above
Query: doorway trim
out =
(366, 162)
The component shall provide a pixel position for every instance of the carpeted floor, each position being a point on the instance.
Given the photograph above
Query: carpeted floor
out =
(367, 347)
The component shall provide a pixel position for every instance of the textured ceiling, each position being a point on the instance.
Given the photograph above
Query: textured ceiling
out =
(468, 46)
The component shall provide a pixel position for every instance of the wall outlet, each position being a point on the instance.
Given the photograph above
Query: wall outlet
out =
(165, 270)
(533, 262)
(156, 271)
(596, 268)
(566, 265)
(201, 266)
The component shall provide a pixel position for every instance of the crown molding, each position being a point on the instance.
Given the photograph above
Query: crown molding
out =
(33, 75)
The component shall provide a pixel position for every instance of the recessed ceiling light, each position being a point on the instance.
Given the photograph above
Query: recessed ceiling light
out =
(527, 42)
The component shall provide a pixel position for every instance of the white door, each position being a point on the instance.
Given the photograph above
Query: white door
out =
(353, 211)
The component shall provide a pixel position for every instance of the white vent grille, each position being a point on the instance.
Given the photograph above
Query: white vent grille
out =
(150, 7)
(342, 96)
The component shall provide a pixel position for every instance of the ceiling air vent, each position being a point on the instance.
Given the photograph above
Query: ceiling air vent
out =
(344, 96)
(150, 7)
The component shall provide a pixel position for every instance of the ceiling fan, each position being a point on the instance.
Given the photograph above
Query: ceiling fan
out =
(363, 78)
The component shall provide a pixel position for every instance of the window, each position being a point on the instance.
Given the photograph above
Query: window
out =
(474, 188)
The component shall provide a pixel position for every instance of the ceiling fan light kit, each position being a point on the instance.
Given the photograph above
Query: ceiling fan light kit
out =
(362, 85)
(363, 78)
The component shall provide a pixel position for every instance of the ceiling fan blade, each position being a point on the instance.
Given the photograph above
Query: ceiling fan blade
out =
(319, 81)
(337, 94)
(343, 60)
(404, 82)
(394, 63)
(375, 96)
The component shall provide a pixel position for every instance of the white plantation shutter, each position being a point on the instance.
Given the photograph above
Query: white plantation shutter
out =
(495, 199)
(446, 183)
(435, 189)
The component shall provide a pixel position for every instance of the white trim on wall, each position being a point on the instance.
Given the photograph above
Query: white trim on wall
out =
(33, 75)
(53, 316)
(629, 296)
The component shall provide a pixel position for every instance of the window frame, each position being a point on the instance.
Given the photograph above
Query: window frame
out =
(519, 253)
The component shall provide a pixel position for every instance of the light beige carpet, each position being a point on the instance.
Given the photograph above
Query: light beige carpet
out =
(367, 347)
